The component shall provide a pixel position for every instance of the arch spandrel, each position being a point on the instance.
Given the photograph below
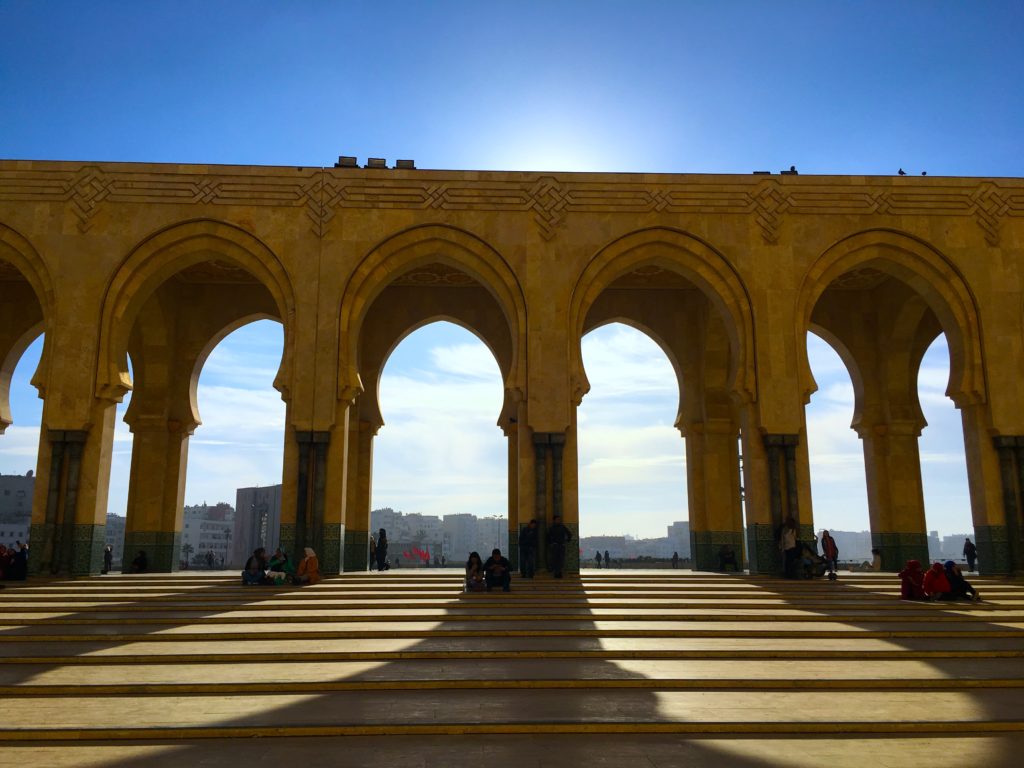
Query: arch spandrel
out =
(684, 254)
(166, 253)
(417, 247)
(928, 273)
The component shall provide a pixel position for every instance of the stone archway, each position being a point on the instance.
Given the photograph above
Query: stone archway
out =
(412, 279)
(689, 298)
(882, 297)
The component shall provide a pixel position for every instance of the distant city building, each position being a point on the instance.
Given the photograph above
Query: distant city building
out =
(257, 522)
(115, 538)
(206, 536)
(411, 536)
(16, 507)
(679, 538)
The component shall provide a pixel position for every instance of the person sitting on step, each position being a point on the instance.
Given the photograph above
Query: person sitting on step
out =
(498, 571)
(936, 585)
(309, 569)
(255, 572)
(959, 587)
(912, 581)
(475, 573)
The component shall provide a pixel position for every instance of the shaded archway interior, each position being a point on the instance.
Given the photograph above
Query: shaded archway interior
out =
(421, 295)
(21, 323)
(171, 336)
(881, 327)
(690, 328)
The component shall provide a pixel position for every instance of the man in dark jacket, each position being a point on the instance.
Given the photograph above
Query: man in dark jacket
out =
(558, 537)
(528, 540)
(498, 572)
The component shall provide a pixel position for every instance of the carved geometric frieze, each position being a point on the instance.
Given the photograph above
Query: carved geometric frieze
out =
(549, 199)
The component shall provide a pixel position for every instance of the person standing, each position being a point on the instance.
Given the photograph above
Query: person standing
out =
(607, 559)
(382, 549)
(558, 537)
(675, 559)
(788, 545)
(108, 558)
(373, 552)
(597, 557)
(528, 541)
(970, 553)
(830, 550)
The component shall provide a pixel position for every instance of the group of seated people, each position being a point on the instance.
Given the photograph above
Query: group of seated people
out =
(279, 569)
(940, 582)
(14, 562)
(485, 576)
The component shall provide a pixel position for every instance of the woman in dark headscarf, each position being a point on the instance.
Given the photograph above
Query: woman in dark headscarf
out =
(382, 549)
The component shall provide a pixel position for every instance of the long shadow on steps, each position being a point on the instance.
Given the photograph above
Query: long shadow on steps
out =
(641, 705)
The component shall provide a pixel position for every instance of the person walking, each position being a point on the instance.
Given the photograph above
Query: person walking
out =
(528, 541)
(607, 559)
(373, 552)
(597, 557)
(675, 559)
(970, 554)
(382, 549)
(108, 558)
(558, 537)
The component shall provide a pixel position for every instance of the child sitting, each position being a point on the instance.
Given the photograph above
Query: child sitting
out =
(912, 581)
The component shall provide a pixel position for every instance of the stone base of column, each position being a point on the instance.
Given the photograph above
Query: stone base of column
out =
(162, 548)
(897, 548)
(993, 543)
(513, 549)
(331, 558)
(87, 544)
(286, 541)
(705, 547)
(357, 550)
(763, 555)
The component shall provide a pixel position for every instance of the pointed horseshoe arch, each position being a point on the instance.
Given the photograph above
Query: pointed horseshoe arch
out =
(690, 257)
(420, 246)
(161, 256)
(923, 268)
(17, 251)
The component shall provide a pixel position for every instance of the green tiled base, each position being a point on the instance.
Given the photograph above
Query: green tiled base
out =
(513, 549)
(705, 546)
(897, 548)
(162, 548)
(286, 539)
(87, 549)
(87, 543)
(763, 549)
(357, 550)
(994, 551)
(331, 556)
(37, 543)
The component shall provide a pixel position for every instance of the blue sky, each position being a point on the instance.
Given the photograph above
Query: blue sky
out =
(833, 87)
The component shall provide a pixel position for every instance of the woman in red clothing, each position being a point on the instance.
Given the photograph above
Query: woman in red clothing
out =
(936, 585)
(912, 581)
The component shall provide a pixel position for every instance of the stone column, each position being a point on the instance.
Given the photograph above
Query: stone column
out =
(762, 543)
(713, 484)
(512, 471)
(311, 528)
(68, 530)
(1003, 546)
(892, 465)
(156, 492)
(358, 486)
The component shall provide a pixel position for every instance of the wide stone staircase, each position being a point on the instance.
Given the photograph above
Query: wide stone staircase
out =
(631, 668)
